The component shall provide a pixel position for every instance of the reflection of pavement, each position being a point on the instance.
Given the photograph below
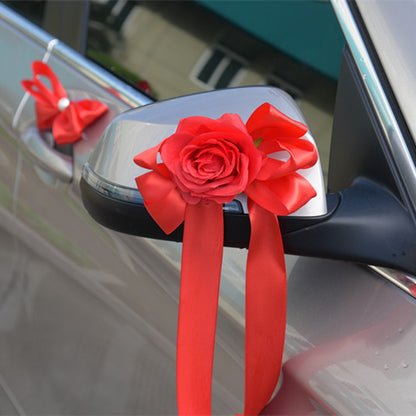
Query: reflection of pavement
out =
(70, 346)
(65, 342)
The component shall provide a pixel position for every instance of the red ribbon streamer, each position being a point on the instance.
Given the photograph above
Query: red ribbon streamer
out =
(276, 190)
(200, 282)
(67, 118)
(265, 308)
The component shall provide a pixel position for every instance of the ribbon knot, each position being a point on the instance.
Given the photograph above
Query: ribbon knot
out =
(63, 103)
(54, 110)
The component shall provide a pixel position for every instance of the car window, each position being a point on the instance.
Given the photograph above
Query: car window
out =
(169, 49)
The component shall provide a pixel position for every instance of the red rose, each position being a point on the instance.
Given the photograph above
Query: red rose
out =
(215, 160)
(211, 160)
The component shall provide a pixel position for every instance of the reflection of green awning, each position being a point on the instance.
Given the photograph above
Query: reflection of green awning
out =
(304, 29)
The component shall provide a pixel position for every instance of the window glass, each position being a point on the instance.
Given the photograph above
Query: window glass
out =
(32, 10)
(173, 48)
(392, 31)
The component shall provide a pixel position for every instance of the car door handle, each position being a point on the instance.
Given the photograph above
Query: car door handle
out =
(45, 157)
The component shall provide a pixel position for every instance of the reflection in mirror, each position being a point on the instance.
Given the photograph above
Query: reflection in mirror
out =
(174, 48)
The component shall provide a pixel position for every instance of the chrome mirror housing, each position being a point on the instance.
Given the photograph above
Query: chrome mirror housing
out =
(109, 176)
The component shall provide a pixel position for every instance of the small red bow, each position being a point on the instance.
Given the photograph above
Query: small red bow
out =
(53, 109)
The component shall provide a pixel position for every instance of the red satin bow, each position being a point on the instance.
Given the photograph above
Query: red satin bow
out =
(53, 109)
(277, 189)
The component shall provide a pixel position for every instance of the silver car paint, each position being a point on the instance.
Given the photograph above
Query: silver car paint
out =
(88, 316)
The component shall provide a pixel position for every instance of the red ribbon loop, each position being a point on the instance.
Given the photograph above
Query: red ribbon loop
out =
(205, 158)
(67, 118)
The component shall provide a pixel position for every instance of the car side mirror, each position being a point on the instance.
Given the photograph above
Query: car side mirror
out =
(109, 177)
(353, 224)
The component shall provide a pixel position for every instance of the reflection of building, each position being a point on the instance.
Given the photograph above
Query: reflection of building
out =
(304, 29)
(183, 47)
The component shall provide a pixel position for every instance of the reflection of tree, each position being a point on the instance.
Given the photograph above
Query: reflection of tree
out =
(31, 9)
(105, 41)
(112, 13)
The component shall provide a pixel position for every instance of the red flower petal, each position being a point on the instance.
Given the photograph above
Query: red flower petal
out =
(148, 158)
(200, 125)
(266, 116)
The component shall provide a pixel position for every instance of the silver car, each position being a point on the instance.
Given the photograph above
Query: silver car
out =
(89, 286)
